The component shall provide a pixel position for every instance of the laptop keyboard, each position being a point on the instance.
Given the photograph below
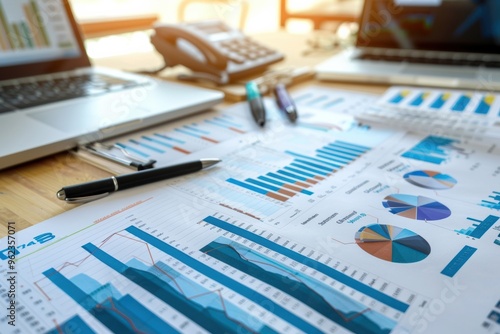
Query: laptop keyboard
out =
(34, 93)
(438, 61)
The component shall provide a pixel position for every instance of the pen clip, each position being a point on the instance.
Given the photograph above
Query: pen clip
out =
(128, 160)
(76, 200)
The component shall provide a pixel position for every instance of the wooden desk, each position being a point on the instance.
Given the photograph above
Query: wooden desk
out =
(27, 192)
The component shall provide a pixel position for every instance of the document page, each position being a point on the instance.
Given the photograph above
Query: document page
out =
(341, 228)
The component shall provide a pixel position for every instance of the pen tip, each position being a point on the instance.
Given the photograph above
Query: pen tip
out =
(205, 163)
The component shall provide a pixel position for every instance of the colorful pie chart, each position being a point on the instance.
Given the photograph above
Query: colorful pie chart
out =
(430, 180)
(392, 243)
(416, 207)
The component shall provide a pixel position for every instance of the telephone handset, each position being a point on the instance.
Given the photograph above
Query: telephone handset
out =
(212, 50)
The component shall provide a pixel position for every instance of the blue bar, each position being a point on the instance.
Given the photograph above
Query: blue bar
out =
(327, 270)
(418, 100)
(71, 289)
(263, 178)
(196, 129)
(333, 103)
(226, 122)
(352, 146)
(309, 169)
(300, 172)
(398, 98)
(317, 100)
(170, 138)
(313, 159)
(188, 133)
(126, 308)
(343, 163)
(341, 150)
(131, 149)
(328, 169)
(497, 242)
(247, 186)
(157, 141)
(263, 185)
(424, 157)
(483, 108)
(478, 230)
(461, 103)
(458, 261)
(335, 157)
(245, 291)
(439, 102)
(72, 325)
(294, 176)
(157, 150)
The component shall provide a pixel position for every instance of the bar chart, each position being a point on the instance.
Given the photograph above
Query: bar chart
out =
(479, 227)
(303, 172)
(493, 201)
(172, 142)
(458, 261)
(432, 149)
(119, 313)
(349, 312)
(24, 31)
(444, 101)
(333, 304)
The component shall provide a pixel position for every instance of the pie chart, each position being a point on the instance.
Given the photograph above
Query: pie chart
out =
(430, 180)
(392, 243)
(416, 207)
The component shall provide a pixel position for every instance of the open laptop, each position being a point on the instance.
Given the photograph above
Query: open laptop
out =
(51, 99)
(443, 43)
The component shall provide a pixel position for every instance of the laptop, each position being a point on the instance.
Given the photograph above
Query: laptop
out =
(441, 43)
(52, 99)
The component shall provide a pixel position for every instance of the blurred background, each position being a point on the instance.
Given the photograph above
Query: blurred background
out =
(113, 27)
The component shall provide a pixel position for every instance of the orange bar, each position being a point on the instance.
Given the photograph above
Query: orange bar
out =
(3, 44)
(319, 178)
(181, 150)
(303, 185)
(312, 181)
(286, 192)
(210, 139)
(236, 130)
(34, 32)
(276, 196)
(297, 189)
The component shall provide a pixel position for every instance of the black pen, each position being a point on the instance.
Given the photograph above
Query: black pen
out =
(285, 102)
(256, 104)
(97, 189)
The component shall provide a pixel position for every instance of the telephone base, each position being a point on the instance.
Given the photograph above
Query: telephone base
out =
(219, 80)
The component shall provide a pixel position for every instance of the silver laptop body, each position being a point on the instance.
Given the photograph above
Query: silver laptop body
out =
(41, 43)
(442, 43)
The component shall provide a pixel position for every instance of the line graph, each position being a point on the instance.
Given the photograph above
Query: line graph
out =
(331, 303)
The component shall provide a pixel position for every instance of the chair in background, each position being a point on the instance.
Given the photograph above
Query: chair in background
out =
(325, 11)
(224, 6)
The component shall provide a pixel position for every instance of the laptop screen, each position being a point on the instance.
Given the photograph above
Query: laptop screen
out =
(41, 33)
(442, 25)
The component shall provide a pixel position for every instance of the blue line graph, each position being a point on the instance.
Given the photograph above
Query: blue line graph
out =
(331, 303)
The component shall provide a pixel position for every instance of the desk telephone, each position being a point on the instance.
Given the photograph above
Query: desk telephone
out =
(212, 50)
